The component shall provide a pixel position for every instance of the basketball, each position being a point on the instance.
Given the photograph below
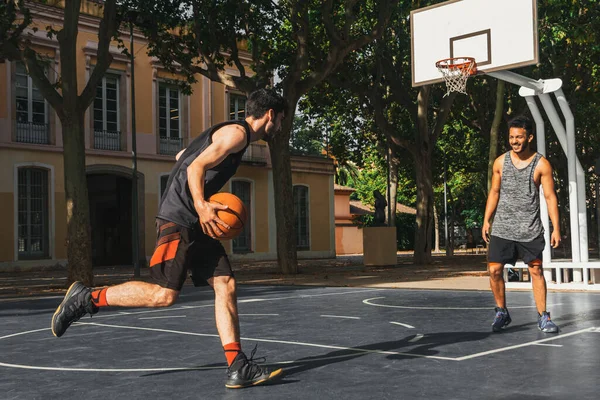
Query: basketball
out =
(234, 216)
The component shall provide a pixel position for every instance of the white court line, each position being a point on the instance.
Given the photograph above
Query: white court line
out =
(13, 299)
(338, 316)
(417, 337)
(548, 344)
(164, 316)
(323, 346)
(253, 315)
(561, 336)
(401, 324)
(368, 301)
(23, 333)
(166, 309)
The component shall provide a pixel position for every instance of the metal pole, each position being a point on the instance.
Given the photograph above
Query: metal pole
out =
(134, 186)
(446, 211)
(389, 189)
(572, 162)
(541, 148)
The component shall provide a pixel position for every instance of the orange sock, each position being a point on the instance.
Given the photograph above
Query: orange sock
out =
(99, 297)
(231, 351)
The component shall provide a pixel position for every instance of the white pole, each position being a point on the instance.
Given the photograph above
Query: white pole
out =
(580, 176)
(541, 148)
(572, 170)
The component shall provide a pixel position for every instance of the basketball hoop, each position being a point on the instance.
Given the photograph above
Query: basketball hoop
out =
(456, 71)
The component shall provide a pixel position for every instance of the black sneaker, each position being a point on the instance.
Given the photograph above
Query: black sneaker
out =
(77, 303)
(501, 320)
(245, 372)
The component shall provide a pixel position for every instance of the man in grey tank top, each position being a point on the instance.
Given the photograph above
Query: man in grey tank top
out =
(517, 231)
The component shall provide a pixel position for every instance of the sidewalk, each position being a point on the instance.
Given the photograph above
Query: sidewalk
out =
(459, 272)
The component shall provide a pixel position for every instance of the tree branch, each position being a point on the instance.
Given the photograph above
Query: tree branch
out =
(108, 28)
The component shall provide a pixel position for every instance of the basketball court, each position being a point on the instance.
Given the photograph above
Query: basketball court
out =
(349, 343)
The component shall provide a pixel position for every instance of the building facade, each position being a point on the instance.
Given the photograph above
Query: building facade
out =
(32, 199)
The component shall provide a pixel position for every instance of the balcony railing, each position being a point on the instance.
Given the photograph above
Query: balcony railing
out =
(255, 154)
(169, 146)
(32, 132)
(107, 140)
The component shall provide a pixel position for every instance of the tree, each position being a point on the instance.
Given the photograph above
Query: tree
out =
(302, 41)
(68, 101)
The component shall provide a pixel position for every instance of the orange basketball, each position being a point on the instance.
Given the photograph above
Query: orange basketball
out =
(234, 216)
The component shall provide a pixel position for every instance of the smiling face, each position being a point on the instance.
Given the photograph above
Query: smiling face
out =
(519, 140)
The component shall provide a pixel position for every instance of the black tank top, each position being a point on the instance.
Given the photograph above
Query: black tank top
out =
(177, 204)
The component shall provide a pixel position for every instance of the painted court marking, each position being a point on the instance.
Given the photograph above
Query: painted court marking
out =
(370, 302)
(165, 316)
(401, 324)
(338, 316)
(352, 349)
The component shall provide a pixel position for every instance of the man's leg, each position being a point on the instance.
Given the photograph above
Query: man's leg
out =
(538, 282)
(497, 283)
(226, 313)
(80, 300)
(242, 372)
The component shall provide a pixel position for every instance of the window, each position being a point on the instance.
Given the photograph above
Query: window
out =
(301, 217)
(163, 184)
(31, 109)
(169, 112)
(106, 114)
(243, 190)
(237, 106)
(32, 213)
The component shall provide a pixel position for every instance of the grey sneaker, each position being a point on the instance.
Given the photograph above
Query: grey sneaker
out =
(545, 324)
(501, 320)
(77, 303)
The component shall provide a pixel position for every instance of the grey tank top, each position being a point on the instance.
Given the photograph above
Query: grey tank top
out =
(518, 212)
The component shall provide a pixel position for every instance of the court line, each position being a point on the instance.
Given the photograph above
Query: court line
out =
(164, 316)
(368, 301)
(417, 337)
(186, 307)
(517, 346)
(404, 325)
(338, 316)
(548, 344)
(252, 315)
(306, 344)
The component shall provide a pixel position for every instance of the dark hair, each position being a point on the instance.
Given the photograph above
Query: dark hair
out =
(522, 122)
(263, 100)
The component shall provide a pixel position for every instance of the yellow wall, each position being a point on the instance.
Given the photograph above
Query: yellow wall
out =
(319, 185)
(3, 91)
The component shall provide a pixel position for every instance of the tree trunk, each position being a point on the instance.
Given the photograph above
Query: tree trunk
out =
(424, 210)
(394, 162)
(279, 147)
(494, 131)
(436, 227)
(79, 246)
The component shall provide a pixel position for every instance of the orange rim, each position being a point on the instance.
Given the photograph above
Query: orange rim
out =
(450, 64)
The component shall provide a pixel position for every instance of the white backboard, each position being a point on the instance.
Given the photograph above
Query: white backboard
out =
(499, 34)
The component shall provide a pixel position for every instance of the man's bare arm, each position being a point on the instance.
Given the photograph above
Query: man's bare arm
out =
(547, 182)
(225, 141)
(493, 197)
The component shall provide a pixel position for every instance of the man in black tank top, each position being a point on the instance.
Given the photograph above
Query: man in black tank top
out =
(187, 228)
(517, 230)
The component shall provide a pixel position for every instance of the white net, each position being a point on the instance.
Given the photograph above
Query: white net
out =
(456, 71)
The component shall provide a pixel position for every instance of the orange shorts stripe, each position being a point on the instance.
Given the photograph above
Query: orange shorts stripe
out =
(164, 252)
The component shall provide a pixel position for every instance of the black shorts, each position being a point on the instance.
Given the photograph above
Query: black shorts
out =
(505, 251)
(179, 250)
